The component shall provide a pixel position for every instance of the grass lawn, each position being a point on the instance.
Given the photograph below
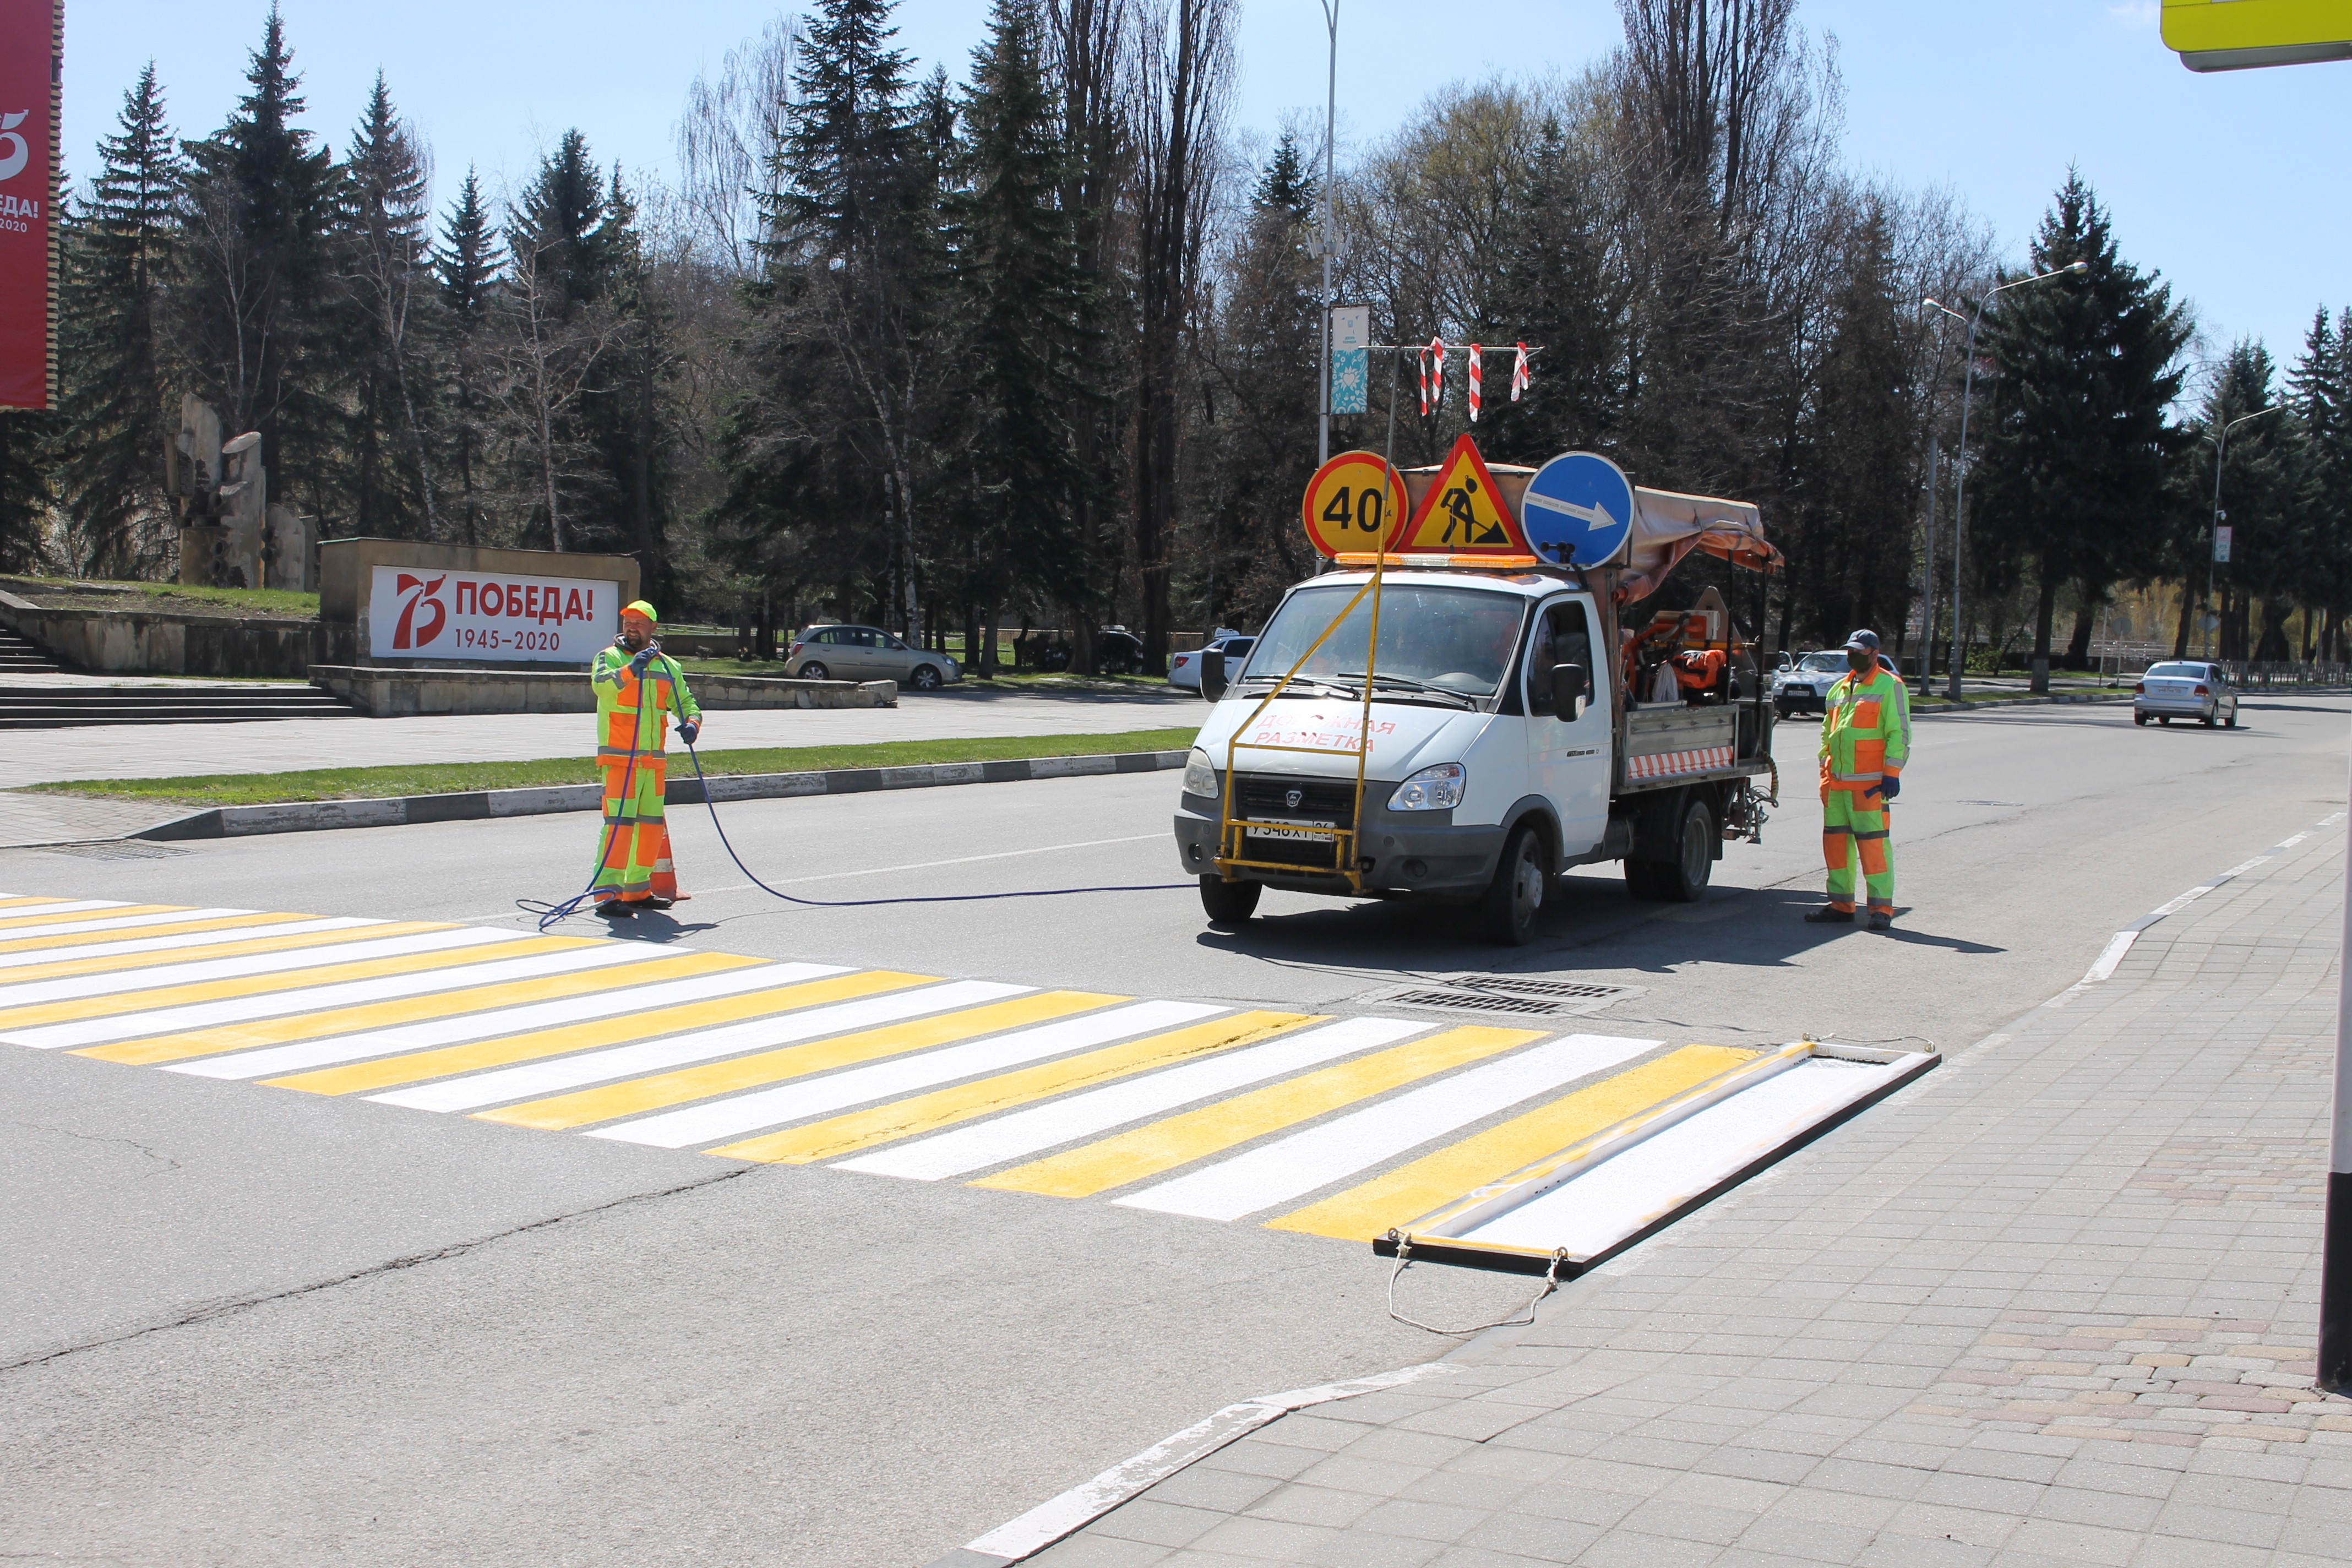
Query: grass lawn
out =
(91, 593)
(444, 778)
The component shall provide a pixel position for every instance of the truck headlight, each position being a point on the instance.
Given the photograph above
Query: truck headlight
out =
(1200, 774)
(1432, 789)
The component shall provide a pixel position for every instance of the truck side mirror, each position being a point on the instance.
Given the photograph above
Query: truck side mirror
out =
(1568, 691)
(1212, 673)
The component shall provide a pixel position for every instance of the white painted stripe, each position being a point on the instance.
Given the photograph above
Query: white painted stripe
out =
(63, 907)
(2109, 956)
(1624, 1193)
(119, 923)
(1340, 1148)
(271, 1060)
(1081, 1505)
(319, 998)
(531, 1081)
(186, 939)
(1083, 1115)
(822, 1096)
(32, 993)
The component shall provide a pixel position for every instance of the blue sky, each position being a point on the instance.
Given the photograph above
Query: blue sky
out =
(2227, 184)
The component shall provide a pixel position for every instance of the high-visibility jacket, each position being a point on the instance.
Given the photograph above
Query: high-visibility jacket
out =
(1865, 730)
(629, 706)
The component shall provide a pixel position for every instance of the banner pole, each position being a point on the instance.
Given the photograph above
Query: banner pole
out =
(2335, 1235)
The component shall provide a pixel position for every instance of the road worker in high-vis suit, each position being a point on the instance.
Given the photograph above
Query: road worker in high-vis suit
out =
(637, 687)
(1865, 740)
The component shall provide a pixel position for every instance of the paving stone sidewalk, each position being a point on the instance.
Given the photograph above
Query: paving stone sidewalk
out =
(2053, 1305)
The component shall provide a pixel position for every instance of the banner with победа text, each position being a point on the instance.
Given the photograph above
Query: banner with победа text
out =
(31, 34)
(476, 616)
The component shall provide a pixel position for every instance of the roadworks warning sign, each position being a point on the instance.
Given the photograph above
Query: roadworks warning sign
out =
(1464, 513)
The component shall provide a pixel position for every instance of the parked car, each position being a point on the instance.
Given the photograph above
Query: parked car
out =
(1185, 668)
(1118, 651)
(868, 653)
(2186, 690)
(1805, 686)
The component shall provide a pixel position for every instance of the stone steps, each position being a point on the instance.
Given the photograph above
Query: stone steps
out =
(56, 707)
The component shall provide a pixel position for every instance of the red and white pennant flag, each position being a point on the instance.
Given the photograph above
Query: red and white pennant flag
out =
(1433, 376)
(1477, 386)
(1519, 377)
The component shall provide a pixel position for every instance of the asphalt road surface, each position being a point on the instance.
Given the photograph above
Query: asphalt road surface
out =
(240, 1325)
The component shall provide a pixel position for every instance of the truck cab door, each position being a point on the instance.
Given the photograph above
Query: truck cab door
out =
(1568, 757)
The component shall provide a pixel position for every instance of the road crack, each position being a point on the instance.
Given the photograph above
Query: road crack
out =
(165, 1160)
(205, 1314)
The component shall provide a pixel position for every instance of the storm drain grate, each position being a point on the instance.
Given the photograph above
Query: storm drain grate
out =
(116, 849)
(1520, 996)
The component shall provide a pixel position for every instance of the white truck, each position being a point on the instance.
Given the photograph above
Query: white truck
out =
(1509, 722)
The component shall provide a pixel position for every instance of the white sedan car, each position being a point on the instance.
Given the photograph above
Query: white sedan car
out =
(1185, 668)
(2186, 690)
(1805, 686)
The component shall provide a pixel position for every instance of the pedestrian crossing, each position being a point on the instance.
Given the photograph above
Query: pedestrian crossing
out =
(1314, 1124)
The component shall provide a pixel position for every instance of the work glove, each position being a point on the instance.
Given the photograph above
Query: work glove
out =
(1889, 787)
(645, 657)
(687, 730)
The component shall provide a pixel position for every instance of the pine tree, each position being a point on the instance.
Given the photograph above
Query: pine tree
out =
(1018, 275)
(560, 227)
(259, 289)
(2320, 386)
(2075, 464)
(468, 264)
(391, 299)
(119, 257)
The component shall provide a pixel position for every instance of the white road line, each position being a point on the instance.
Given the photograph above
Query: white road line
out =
(269, 1061)
(1082, 1115)
(531, 1081)
(2109, 956)
(118, 922)
(186, 939)
(819, 1097)
(1340, 1148)
(66, 907)
(319, 998)
(113, 983)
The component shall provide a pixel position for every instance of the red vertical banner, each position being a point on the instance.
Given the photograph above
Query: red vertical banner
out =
(32, 41)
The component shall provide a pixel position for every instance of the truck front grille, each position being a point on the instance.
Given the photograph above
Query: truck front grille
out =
(1267, 797)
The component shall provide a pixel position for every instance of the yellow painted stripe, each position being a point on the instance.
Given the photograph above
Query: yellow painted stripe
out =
(168, 928)
(839, 1135)
(83, 1007)
(645, 1094)
(418, 1066)
(32, 923)
(1404, 1195)
(1176, 1140)
(97, 963)
(408, 1010)
(26, 903)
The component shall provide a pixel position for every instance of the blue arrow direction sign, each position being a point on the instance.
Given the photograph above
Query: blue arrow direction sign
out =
(1579, 510)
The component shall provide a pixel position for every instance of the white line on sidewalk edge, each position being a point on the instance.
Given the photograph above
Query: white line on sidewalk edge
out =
(1083, 1504)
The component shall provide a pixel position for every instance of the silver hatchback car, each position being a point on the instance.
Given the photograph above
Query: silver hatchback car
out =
(867, 653)
(2186, 690)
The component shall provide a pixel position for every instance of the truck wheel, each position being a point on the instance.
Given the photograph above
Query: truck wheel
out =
(1228, 903)
(1507, 910)
(1684, 878)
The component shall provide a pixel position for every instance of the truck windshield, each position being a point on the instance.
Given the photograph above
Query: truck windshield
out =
(1457, 639)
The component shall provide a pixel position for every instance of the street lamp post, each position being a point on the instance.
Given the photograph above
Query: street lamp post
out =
(2221, 456)
(1960, 489)
(1331, 136)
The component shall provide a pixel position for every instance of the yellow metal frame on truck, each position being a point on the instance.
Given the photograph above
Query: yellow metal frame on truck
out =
(2237, 34)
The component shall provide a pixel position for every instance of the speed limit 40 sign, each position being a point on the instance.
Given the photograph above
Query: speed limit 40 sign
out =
(1355, 504)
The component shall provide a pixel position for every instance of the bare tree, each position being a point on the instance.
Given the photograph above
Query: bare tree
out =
(730, 136)
(544, 353)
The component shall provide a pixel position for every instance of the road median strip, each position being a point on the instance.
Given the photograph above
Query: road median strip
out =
(388, 797)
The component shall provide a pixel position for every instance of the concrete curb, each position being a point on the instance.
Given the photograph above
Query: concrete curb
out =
(2019, 702)
(311, 816)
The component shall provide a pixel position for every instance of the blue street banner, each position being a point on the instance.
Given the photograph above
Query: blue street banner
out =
(1351, 331)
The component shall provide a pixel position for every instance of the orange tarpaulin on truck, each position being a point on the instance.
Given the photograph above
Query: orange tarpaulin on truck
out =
(1668, 526)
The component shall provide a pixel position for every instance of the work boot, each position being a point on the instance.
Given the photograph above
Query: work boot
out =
(1830, 914)
(657, 903)
(614, 910)
(1882, 920)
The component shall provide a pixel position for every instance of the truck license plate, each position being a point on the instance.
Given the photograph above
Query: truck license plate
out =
(1291, 831)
